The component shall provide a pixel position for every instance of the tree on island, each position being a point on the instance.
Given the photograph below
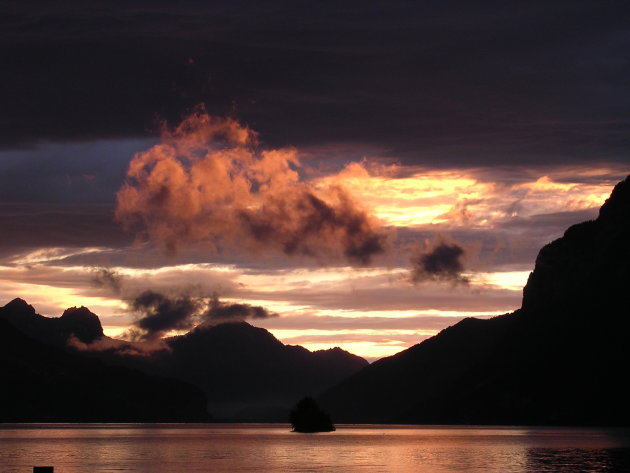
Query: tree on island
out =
(307, 417)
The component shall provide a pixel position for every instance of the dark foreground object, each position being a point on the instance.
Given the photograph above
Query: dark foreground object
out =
(307, 417)
(246, 373)
(561, 359)
(43, 383)
(43, 469)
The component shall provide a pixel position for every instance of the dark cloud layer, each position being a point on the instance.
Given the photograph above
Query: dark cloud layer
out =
(462, 81)
(27, 226)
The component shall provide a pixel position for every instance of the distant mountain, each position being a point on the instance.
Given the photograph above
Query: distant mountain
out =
(562, 358)
(244, 371)
(77, 321)
(238, 366)
(42, 383)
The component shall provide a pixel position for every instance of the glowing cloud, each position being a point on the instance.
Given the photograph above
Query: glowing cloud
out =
(209, 183)
(472, 198)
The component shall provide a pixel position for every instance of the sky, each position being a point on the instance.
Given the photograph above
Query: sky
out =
(353, 174)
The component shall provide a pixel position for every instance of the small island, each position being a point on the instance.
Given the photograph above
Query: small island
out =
(307, 417)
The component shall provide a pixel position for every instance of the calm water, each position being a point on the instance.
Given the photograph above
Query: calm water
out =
(216, 448)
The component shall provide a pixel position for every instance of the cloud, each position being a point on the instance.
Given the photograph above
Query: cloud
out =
(463, 198)
(528, 92)
(302, 224)
(208, 183)
(161, 313)
(442, 263)
(107, 278)
(26, 225)
(387, 322)
(221, 311)
(141, 348)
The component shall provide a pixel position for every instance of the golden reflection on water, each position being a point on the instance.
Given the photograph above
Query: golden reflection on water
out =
(366, 449)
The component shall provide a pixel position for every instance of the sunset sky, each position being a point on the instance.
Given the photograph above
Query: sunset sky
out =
(354, 174)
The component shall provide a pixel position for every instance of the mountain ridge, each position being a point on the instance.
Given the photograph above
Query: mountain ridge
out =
(559, 359)
(245, 372)
(77, 321)
(42, 383)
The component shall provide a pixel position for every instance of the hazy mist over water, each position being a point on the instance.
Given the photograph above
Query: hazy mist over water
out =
(161, 448)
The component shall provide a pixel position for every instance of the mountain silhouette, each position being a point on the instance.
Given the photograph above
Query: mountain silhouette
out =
(559, 359)
(42, 383)
(248, 374)
(244, 371)
(76, 321)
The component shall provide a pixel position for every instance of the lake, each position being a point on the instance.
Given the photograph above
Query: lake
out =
(233, 448)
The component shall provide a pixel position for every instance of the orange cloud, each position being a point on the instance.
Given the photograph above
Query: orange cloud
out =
(209, 182)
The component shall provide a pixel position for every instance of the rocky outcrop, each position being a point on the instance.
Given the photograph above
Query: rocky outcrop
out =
(307, 417)
(81, 323)
(586, 272)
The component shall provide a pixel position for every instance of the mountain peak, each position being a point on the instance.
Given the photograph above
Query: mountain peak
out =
(617, 206)
(226, 335)
(20, 306)
(585, 272)
(77, 321)
(81, 322)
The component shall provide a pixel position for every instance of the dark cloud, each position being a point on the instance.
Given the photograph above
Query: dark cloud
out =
(301, 223)
(221, 311)
(442, 263)
(161, 313)
(498, 82)
(106, 278)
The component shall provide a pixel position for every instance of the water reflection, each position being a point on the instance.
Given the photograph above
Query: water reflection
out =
(361, 449)
(578, 460)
